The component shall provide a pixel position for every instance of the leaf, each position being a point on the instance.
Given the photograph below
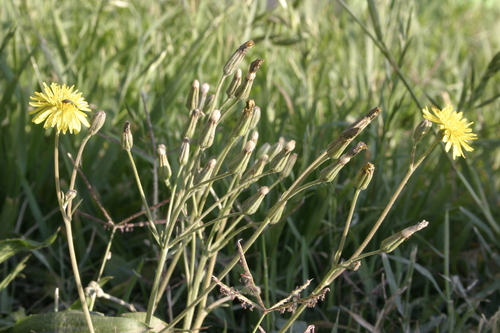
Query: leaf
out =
(9, 247)
(15, 272)
(74, 322)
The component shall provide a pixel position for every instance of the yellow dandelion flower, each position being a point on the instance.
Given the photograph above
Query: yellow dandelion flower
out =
(456, 131)
(60, 106)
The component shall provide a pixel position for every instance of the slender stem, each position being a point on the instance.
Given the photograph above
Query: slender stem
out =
(69, 233)
(346, 227)
(156, 284)
(446, 252)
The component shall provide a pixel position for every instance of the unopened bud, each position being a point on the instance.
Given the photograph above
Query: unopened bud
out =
(184, 152)
(192, 100)
(205, 87)
(97, 122)
(279, 161)
(205, 173)
(243, 123)
(234, 85)
(164, 170)
(364, 176)
(254, 137)
(274, 150)
(209, 102)
(421, 130)
(127, 139)
(329, 173)
(255, 117)
(239, 163)
(256, 169)
(289, 166)
(193, 120)
(236, 58)
(274, 214)
(244, 89)
(251, 205)
(263, 150)
(391, 243)
(208, 135)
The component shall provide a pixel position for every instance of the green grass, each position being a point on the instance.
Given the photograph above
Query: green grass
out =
(322, 71)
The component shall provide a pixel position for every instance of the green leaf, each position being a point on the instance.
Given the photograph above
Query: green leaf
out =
(74, 322)
(15, 272)
(9, 247)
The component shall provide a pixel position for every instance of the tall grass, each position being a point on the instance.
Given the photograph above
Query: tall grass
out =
(324, 67)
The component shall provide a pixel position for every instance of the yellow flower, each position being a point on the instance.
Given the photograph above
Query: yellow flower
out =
(60, 106)
(456, 131)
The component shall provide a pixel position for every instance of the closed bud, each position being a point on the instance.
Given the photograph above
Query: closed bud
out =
(239, 163)
(421, 130)
(279, 161)
(254, 137)
(255, 65)
(184, 152)
(255, 117)
(97, 122)
(256, 169)
(244, 89)
(209, 102)
(205, 173)
(205, 87)
(329, 173)
(364, 176)
(274, 214)
(192, 100)
(234, 61)
(164, 170)
(251, 205)
(243, 123)
(208, 135)
(391, 243)
(289, 166)
(235, 84)
(263, 150)
(193, 120)
(127, 139)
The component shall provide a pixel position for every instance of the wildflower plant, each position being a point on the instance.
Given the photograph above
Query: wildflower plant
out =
(211, 194)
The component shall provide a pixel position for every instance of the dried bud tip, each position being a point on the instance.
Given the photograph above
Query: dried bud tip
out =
(127, 138)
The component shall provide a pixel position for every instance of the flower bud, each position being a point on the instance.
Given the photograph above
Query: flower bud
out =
(289, 166)
(236, 58)
(364, 176)
(193, 120)
(205, 173)
(209, 102)
(97, 122)
(244, 89)
(205, 87)
(391, 243)
(164, 170)
(127, 139)
(263, 150)
(256, 169)
(184, 152)
(274, 150)
(243, 123)
(329, 173)
(279, 161)
(234, 85)
(251, 205)
(192, 100)
(274, 214)
(421, 130)
(255, 118)
(239, 163)
(208, 135)
(254, 137)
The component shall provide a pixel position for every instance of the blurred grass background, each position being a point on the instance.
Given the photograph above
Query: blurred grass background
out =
(322, 71)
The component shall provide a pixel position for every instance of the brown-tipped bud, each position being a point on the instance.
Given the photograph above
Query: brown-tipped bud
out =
(164, 170)
(205, 173)
(244, 89)
(256, 169)
(192, 100)
(243, 123)
(184, 152)
(274, 150)
(364, 176)
(205, 87)
(336, 147)
(193, 120)
(274, 214)
(329, 173)
(255, 117)
(236, 58)
(97, 122)
(251, 205)
(289, 166)
(239, 163)
(263, 150)
(391, 243)
(255, 65)
(208, 135)
(235, 84)
(279, 161)
(127, 139)
(421, 130)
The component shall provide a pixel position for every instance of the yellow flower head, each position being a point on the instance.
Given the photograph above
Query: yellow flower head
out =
(60, 106)
(456, 131)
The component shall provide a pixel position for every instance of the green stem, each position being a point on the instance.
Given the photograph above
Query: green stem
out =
(346, 227)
